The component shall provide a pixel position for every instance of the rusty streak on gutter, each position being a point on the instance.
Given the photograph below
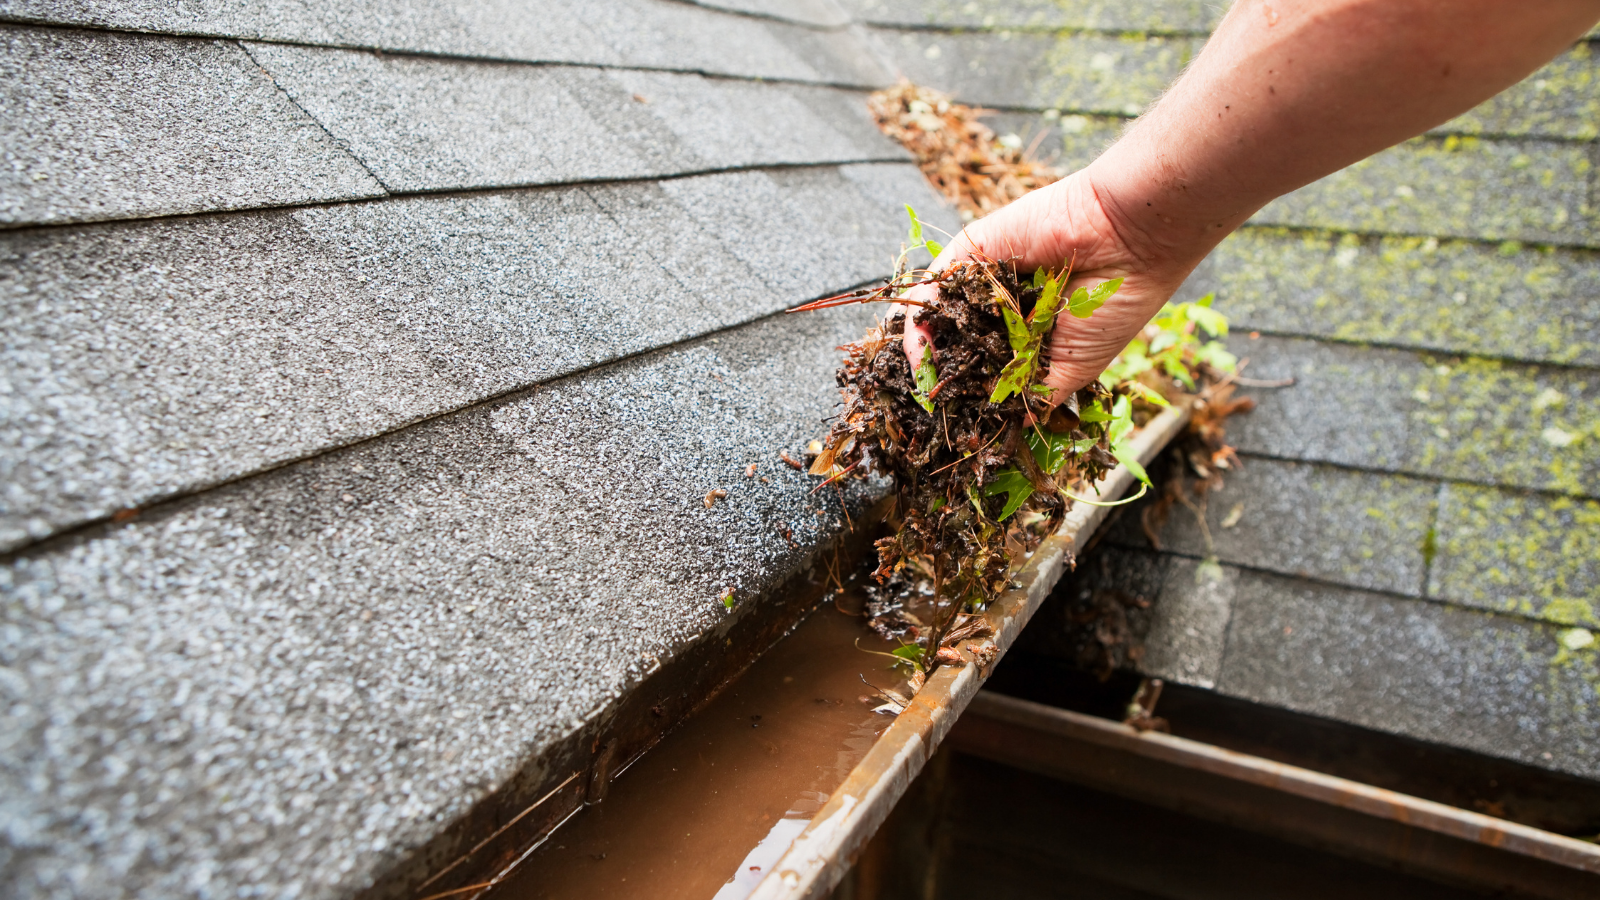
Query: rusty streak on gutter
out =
(821, 855)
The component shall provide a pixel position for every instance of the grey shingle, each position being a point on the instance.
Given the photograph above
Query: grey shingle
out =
(105, 126)
(1530, 554)
(279, 687)
(790, 225)
(1514, 302)
(1188, 629)
(1354, 528)
(1074, 72)
(428, 124)
(1454, 187)
(820, 13)
(1445, 417)
(1134, 15)
(155, 359)
(649, 33)
(741, 123)
(1500, 686)
(1560, 100)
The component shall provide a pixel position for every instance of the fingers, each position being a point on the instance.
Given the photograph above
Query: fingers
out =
(918, 339)
(1080, 349)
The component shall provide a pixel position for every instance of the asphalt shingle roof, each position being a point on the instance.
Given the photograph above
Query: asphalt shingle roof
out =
(419, 341)
(416, 336)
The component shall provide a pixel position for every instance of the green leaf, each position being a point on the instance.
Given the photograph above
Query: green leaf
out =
(1216, 355)
(1044, 312)
(1214, 323)
(1014, 485)
(727, 599)
(935, 505)
(1174, 367)
(915, 235)
(934, 248)
(1094, 412)
(1015, 376)
(1102, 292)
(927, 377)
(911, 653)
(1121, 421)
(1146, 393)
(1051, 450)
(1085, 302)
(1125, 456)
(927, 374)
(1039, 277)
(1016, 329)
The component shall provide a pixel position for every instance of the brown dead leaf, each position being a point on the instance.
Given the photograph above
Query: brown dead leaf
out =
(714, 496)
(960, 155)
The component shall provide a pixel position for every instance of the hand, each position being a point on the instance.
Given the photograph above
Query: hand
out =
(1045, 229)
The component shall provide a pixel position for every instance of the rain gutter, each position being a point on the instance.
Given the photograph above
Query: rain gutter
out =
(1347, 817)
(822, 854)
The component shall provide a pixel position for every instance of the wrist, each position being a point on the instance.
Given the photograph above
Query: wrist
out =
(1151, 216)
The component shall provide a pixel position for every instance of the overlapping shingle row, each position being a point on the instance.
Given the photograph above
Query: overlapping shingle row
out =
(367, 367)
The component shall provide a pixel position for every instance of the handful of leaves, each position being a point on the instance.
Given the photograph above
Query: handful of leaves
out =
(982, 468)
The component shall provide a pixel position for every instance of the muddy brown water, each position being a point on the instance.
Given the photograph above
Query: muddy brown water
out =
(709, 809)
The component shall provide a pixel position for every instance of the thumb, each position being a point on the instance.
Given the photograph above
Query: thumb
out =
(918, 338)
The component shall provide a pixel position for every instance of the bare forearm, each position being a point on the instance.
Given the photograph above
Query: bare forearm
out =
(1287, 92)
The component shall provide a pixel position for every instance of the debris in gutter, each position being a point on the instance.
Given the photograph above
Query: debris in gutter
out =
(715, 495)
(982, 467)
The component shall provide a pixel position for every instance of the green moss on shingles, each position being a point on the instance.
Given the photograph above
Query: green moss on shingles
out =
(1460, 187)
(1532, 303)
(1561, 100)
(1487, 416)
(1102, 74)
(1191, 16)
(1528, 554)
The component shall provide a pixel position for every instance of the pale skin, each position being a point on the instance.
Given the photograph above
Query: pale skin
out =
(1285, 92)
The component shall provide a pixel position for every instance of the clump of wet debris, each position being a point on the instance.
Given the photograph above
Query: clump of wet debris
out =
(981, 466)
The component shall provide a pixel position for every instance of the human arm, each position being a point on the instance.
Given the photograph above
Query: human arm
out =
(1283, 93)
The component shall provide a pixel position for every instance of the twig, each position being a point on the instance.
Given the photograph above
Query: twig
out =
(973, 453)
(841, 474)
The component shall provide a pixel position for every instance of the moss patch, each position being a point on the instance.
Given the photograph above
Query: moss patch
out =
(1524, 553)
(1531, 191)
(1527, 302)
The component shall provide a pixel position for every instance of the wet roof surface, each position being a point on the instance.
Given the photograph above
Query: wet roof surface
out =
(421, 336)
(419, 365)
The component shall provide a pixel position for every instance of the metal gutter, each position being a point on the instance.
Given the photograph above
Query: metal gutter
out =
(1346, 817)
(824, 851)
